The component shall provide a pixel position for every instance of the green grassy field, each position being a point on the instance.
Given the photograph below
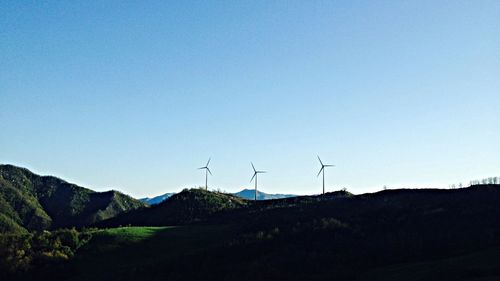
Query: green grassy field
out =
(116, 251)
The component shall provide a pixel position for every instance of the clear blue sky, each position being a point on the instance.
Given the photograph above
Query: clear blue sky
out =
(135, 96)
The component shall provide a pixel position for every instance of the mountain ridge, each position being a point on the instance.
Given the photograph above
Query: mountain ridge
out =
(248, 194)
(32, 202)
(157, 199)
(187, 206)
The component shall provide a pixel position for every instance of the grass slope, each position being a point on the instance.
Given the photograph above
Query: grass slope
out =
(126, 253)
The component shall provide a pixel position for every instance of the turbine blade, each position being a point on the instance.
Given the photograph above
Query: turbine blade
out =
(253, 167)
(261, 172)
(322, 167)
(329, 165)
(201, 168)
(208, 169)
(254, 174)
(208, 161)
(320, 160)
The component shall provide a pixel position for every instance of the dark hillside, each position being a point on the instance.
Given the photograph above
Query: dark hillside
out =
(309, 238)
(341, 237)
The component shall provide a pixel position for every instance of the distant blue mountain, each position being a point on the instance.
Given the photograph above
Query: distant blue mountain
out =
(245, 194)
(250, 195)
(157, 199)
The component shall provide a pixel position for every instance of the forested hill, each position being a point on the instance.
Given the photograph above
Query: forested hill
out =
(190, 205)
(32, 202)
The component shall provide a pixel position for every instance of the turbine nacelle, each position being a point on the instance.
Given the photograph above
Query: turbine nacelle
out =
(255, 172)
(323, 166)
(206, 167)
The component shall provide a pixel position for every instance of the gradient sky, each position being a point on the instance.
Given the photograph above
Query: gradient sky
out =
(135, 96)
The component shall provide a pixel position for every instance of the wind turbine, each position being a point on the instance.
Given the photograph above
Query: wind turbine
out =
(323, 170)
(255, 173)
(207, 170)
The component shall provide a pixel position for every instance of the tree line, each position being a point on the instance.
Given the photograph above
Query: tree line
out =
(22, 256)
(490, 180)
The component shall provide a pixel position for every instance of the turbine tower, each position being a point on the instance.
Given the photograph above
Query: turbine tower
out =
(207, 170)
(323, 170)
(255, 173)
